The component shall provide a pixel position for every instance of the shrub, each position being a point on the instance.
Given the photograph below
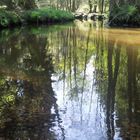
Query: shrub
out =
(44, 15)
(125, 14)
(47, 15)
(8, 18)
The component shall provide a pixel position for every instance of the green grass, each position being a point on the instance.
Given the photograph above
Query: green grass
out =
(43, 16)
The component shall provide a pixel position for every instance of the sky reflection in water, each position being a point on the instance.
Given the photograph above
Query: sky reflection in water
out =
(74, 82)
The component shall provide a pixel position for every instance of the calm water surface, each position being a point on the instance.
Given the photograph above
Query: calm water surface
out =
(70, 82)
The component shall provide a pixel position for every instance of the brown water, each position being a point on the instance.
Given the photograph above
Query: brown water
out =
(78, 81)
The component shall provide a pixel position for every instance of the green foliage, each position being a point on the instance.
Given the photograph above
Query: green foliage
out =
(47, 15)
(136, 18)
(9, 18)
(125, 14)
(18, 4)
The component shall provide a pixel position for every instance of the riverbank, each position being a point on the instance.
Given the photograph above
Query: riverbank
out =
(36, 16)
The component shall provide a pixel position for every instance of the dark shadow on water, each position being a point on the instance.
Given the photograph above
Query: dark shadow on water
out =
(27, 96)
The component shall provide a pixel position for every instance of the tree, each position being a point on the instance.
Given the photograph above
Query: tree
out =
(23, 4)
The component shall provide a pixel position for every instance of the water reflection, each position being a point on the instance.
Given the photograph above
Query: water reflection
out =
(27, 97)
(73, 82)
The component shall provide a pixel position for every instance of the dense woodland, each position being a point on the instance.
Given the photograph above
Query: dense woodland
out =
(95, 70)
(119, 12)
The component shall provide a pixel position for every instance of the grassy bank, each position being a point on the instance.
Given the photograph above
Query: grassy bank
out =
(125, 15)
(36, 16)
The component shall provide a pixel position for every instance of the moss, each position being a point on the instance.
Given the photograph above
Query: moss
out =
(35, 16)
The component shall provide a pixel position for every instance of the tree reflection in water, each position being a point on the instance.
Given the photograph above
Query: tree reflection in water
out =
(94, 66)
(27, 97)
(69, 82)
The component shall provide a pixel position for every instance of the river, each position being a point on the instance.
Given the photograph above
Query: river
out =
(78, 81)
